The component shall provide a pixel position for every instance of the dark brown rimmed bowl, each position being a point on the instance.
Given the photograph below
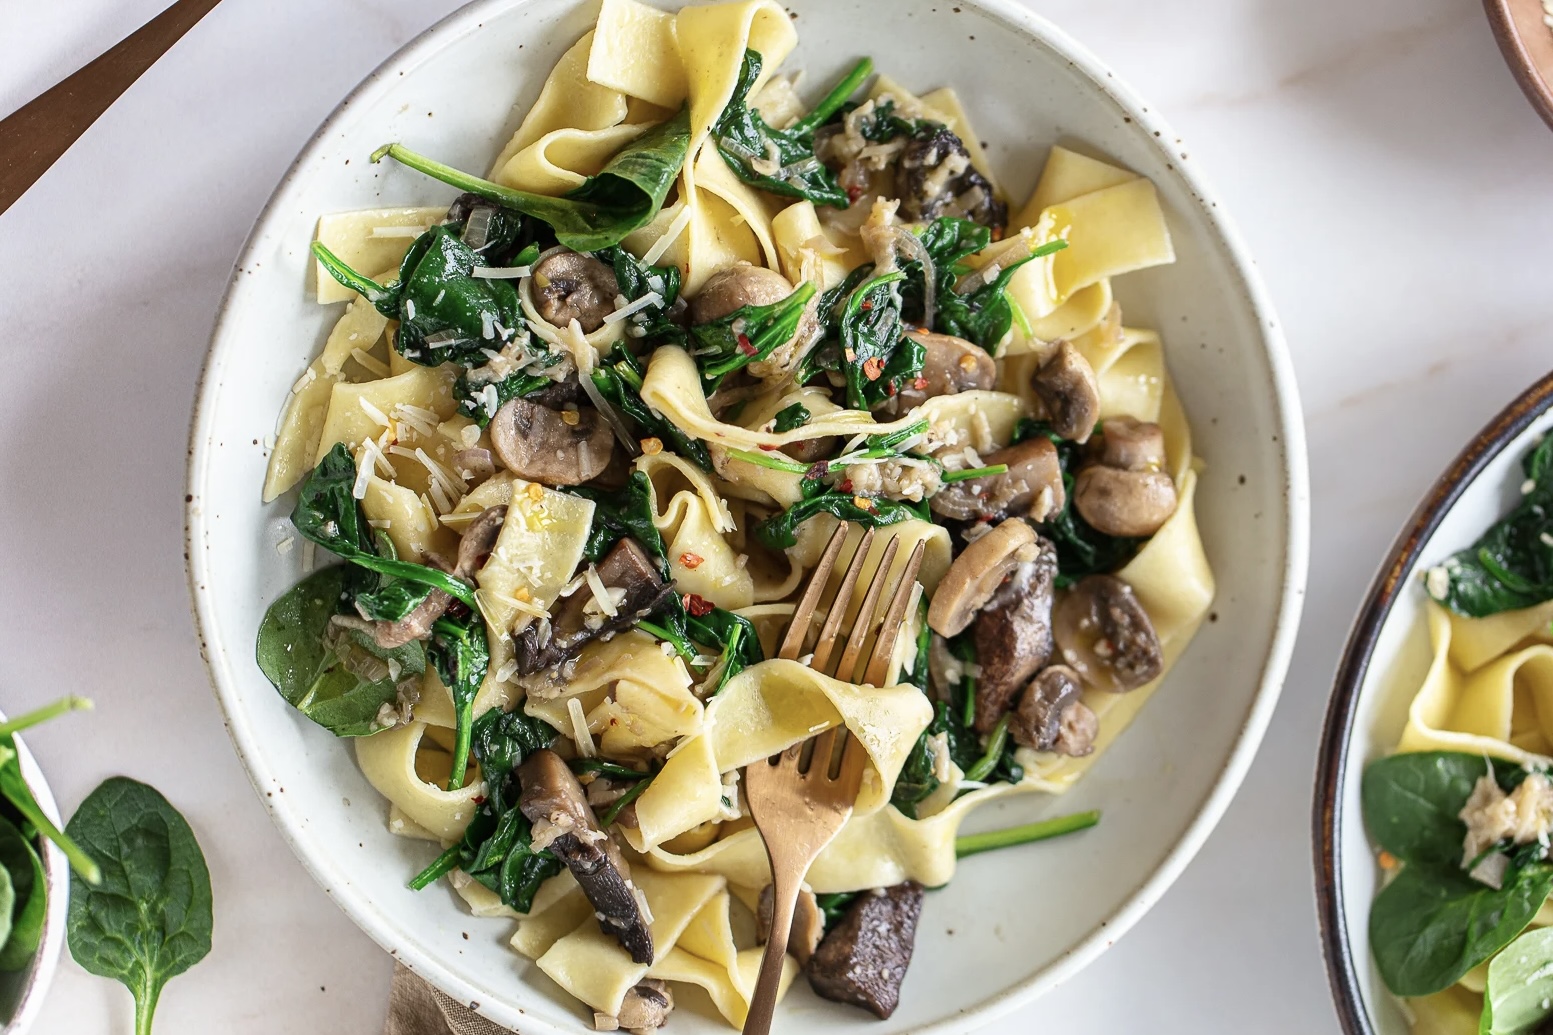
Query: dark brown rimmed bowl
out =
(1527, 44)
(1338, 747)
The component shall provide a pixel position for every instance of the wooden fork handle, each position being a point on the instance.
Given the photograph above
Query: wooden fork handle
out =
(786, 882)
(34, 136)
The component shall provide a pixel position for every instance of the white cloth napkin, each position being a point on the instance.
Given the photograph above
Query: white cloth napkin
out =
(415, 1008)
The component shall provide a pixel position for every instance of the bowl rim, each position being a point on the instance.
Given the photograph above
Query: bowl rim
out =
(1335, 752)
(1290, 434)
(1531, 62)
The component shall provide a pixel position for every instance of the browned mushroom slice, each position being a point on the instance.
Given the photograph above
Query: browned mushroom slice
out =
(1014, 635)
(977, 573)
(863, 959)
(1125, 492)
(553, 801)
(950, 365)
(645, 1007)
(935, 178)
(569, 286)
(556, 447)
(478, 540)
(736, 287)
(1031, 487)
(1104, 634)
(474, 465)
(1067, 388)
(1052, 717)
(635, 588)
(808, 923)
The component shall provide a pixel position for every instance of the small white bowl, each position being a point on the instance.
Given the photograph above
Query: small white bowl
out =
(1000, 934)
(1383, 666)
(22, 992)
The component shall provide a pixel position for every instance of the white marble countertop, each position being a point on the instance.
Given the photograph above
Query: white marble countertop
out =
(1377, 156)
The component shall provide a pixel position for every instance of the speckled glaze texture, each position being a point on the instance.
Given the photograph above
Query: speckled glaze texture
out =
(1350, 738)
(450, 94)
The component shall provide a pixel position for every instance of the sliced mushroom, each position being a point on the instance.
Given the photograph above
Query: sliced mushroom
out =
(569, 286)
(808, 923)
(1104, 634)
(736, 287)
(474, 465)
(1052, 717)
(950, 365)
(553, 801)
(863, 959)
(478, 540)
(1031, 487)
(935, 178)
(977, 573)
(1067, 388)
(636, 590)
(646, 1006)
(556, 447)
(1014, 635)
(1126, 492)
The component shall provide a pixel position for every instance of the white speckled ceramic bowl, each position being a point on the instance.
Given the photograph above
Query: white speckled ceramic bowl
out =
(458, 92)
(1383, 666)
(22, 992)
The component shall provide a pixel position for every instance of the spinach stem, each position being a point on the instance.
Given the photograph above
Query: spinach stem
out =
(995, 741)
(607, 768)
(1020, 317)
(70, 703)
(366, 287)
(681, 646)
(832, 102)
(145, 1005)
(973, 472)
(82, 863)
(441, 865)
(772, 461)
(625, 799)
(520, 200)
(971, 844)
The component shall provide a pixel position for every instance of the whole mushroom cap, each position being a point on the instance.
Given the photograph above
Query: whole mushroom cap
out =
(569, 286)
(1124, 503)
(976, 575)
(729, 290)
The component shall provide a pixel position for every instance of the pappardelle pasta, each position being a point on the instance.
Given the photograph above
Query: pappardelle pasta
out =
(580, 437)
(1462, 930)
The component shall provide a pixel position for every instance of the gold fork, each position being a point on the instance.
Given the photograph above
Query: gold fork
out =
(800, 800)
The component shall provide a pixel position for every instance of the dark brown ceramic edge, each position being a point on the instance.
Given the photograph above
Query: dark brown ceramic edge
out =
(1527, 45)
(1332, 760)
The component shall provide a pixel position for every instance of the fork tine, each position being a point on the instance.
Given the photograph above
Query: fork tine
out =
(824, 754)
(838, 607)
(803, 614)
(850, 777)
(890, 627)
(866, 613)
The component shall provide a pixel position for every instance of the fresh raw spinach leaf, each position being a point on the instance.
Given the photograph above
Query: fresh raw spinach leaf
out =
(21, 864)
(1411, 802)
(150, 919)
(1430, 926)
(747, 334)
(782, 161)
(459, 650)
(1511, 565)
(780, 531)
(339, 678)
(1519, 994)
(14, 789)
(619, 380)
(329, 515)
(496, 846)
(625, 195)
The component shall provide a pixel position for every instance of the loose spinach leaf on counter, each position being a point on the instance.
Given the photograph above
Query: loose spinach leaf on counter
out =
(459, 650)
(150, 919)
(20, 862)
(1429, 926)
(1511, 564)
(619, 379)
(623, 197)
(339, 678)
(747, 334)
(1081, 548)
(1518, 995)
(780, 531)
(328, 514)
(495, 848)
(620, 513)
(445, 314)
(782, 161)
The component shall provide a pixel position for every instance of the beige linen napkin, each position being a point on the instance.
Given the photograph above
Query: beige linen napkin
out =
(415, 1008)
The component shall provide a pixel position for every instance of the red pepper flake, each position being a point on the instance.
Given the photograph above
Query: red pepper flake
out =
(873, 367)
(997, 233)
(854, 192)
(691, 560)
(865, 305)
(845, 485)
(889, 388)
(478, 799)
(769, 448)
(920, 384)
(698, 605)
(745, 346)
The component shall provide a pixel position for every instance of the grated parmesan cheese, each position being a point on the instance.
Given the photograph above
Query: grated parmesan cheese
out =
(580, 732)
(378, 416)
(661, 245)
(370, 362)
(501, 272)
(648, 300)
(397, 231)
(601, 594)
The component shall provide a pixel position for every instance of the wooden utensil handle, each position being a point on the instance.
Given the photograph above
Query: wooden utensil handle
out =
(34, 136)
